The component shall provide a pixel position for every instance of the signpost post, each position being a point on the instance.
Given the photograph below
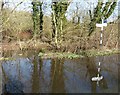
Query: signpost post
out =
(98, 78)
(101, 33)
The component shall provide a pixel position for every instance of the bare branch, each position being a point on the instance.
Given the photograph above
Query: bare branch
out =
(13, 11)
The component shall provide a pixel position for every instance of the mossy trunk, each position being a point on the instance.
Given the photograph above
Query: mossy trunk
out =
(99, 13)
(41, 17)
(55, 28)
(58, 20)
(37, 17)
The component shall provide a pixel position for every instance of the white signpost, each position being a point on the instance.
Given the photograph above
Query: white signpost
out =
(98, 78)
(101, 26)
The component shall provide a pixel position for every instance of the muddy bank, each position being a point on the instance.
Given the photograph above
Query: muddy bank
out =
(46, 50)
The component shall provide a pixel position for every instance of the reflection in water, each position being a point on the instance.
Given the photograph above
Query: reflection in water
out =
(17, 70)
(35, 77)
(93, 71)
(31, 74)
(13, 86)
(57, 76)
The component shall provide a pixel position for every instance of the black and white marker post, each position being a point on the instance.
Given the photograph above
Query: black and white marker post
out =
(101, 33)
(99, 78)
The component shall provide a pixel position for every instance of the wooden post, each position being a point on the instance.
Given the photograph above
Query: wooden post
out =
(0, 45)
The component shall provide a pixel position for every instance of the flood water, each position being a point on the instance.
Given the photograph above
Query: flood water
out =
(28, 73)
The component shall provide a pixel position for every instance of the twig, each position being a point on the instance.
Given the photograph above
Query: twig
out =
(13, 11)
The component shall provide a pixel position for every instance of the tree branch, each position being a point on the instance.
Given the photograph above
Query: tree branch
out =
(13, 11)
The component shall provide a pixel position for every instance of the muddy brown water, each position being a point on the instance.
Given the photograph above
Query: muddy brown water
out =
(28, 73)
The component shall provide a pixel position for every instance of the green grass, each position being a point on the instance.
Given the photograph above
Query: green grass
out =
(58, 55)
(91, 53)
(87, 53)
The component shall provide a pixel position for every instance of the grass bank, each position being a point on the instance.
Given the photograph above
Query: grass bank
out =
(81, 54)
(87, 53)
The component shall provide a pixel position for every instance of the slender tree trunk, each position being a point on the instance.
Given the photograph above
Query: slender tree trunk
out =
(35, 17)
(53, 27)
(61, 31)
(56, 29)
(73, 19)
(78, 19)
(55, 22)
(58, 19)
(41, 18)
(0, 46)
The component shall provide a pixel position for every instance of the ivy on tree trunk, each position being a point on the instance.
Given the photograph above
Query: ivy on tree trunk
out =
(37, 17)
(41, 17)
(99, 13)
(58, 19)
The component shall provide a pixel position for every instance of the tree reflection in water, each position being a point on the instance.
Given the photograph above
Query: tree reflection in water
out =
(57, 76)
(35, 77)
(17, 75)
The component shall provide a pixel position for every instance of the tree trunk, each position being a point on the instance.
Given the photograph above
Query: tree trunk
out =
(0, 45)
(53, 27)
(41, 18)
(58, 19)
(99, 13)
(78, 19)
(61, 31)
(35, 17)
(56, 30)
